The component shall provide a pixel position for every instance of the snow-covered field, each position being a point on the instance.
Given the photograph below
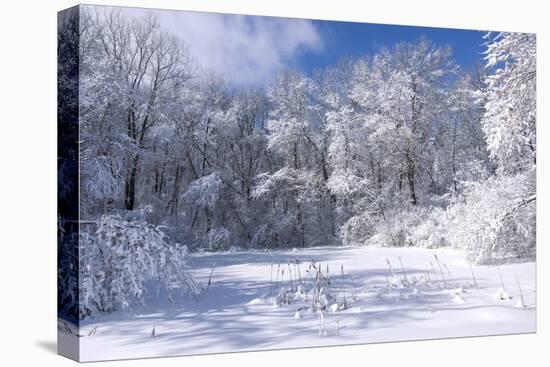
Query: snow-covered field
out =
(241, 312)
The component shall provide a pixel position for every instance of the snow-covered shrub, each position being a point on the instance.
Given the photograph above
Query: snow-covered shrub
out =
(296, 183)
(414, 227)
(431, 232)
(396, 230)
(219, 239)
(264, 236)
(139, 214)
(101, 184)
(67, 268)
(101, 178)
(357, 230)
(284, 297)
(286, 228)
(495, 219)
(282, 231)
(119, 257)
(345, 183)
(379, 239)
(204, 192)
(474, 170)
(92, 292)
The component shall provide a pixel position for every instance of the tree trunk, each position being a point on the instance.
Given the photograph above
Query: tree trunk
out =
(208, 215)
(301, 225)
(130, 186)
(410, 177)
(174, 208)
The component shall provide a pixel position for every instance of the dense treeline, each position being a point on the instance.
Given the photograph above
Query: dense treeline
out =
(400, 148)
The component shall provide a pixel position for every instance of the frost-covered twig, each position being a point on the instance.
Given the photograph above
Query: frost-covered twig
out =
(354, 294)
(290, 276)
(521, 299)
(501, 293)
(299, 272)
(277, 281)
(322, 328)
(427, 275)
(392, 273)
(271, 278)
(451, 279)
(473, 275)
(211, 273)
(405, 280)
(441, 271)
(500, 275)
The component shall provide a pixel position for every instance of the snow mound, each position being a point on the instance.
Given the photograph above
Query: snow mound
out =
(520, 303)
(256, 301)
(458, 300)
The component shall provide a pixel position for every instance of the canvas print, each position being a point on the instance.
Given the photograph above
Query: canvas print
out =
(236, 183)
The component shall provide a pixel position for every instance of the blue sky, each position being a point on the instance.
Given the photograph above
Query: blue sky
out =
(343, 39)
(251, 50)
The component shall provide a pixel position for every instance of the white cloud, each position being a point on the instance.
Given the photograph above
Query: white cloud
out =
(246, 49)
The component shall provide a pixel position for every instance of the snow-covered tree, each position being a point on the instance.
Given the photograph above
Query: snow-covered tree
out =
(510, 110)
(391, 148)
(289, 123)
(131, 70)
(495, 219)
(293, 140)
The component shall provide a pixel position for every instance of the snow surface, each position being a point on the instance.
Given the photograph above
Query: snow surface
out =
(238, 313)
